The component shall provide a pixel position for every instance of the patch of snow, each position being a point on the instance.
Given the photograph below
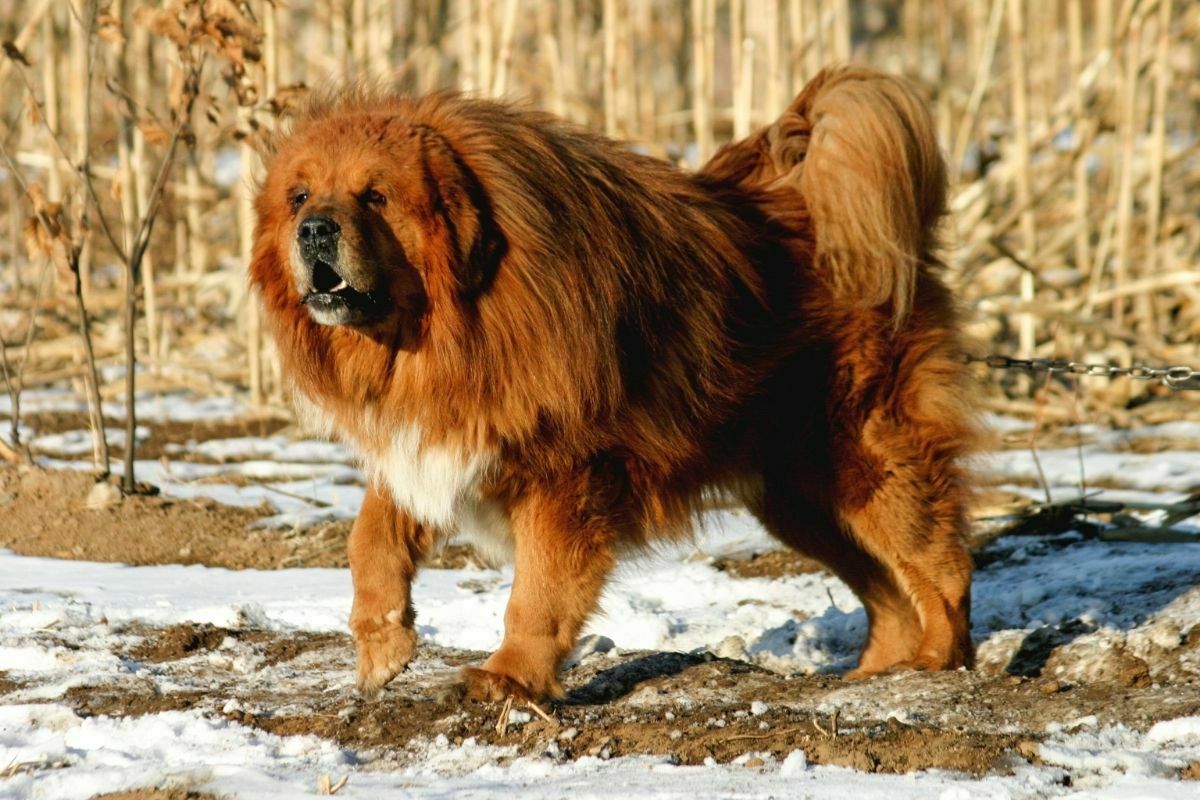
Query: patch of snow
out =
(79, 442)
(1171, 469)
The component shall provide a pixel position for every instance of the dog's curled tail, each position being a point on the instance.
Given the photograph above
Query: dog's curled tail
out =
(860, 147)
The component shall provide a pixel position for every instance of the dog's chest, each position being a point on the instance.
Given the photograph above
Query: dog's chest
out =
(435, 484)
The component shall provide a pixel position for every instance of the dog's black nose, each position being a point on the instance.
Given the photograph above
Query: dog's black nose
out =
(317, 229)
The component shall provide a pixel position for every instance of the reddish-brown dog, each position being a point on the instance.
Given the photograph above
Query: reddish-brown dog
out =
(538, 338)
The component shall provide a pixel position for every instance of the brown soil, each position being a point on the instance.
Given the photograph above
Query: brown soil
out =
(45, 513)
(687, 707)
(773, 564)
(157, 794)
(7, 684)
(179, 641)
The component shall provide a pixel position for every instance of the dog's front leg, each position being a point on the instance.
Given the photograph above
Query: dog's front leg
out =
(562, 560)
(385, 547)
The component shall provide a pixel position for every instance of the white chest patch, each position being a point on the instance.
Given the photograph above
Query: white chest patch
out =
(433, 483)
(436, 485)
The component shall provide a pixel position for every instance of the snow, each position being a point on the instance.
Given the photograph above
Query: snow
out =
(1135, 595)
(1174, 469)
(1184, 729)
(65, 757)
(80, 442)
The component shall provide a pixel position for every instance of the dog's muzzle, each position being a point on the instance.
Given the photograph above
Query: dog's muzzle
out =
(330, 298)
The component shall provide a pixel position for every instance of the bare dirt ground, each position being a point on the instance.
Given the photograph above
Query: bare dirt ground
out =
(689, 707)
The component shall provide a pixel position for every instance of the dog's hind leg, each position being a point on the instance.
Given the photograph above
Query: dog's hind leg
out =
(563, 557)
(912, 522)
(894, 633)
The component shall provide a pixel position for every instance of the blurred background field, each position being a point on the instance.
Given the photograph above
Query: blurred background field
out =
(1070, 127)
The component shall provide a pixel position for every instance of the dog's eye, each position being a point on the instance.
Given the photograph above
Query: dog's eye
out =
(298, 200)
(374, 198)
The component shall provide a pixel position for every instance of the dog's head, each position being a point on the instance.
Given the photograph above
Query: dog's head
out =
(374, 220)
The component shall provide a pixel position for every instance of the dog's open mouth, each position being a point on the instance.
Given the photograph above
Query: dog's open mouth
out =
(333, 301)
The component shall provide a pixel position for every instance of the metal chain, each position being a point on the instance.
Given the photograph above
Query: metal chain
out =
(1177, 378)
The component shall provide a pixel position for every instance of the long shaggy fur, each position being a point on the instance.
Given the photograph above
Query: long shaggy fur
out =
(583, 342)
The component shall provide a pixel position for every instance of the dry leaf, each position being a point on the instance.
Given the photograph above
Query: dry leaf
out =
(108, 28)
(32, 109)
(13, 52)
(162, 22)
(288, 98)
(46, 234)
(153, 132)
(175, 91)
(114, 186)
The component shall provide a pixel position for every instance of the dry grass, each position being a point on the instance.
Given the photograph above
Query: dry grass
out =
(1070, 125)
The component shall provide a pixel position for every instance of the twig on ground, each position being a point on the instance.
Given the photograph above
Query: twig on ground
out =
(535, 708)
(833, 725)
(326, 786)
(766, 734)
(502, 723)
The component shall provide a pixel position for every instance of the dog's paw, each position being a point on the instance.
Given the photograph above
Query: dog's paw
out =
(928, 662)
(487, 686)
(492, 687)
(919, 663)
(385, 646)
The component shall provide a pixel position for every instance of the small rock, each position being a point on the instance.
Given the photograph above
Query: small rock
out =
(754, 761)
(1050, 687)
(103, 495)
(1135, 673)
(568, 734)
(517, 718)
(1028, 748)
(731, 647)
(1166, 634)
(599, 747)
(758, 708)
(795, 764)
(588, 645)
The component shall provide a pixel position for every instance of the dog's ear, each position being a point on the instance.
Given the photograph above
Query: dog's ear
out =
(481, 248)
(459, 198)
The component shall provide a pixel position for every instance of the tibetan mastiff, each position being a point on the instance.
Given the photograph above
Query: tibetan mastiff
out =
(537, 338)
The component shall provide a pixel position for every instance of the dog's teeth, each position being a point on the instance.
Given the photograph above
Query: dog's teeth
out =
(339, 287)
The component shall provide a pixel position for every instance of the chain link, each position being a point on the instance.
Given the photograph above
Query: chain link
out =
(1177, 377)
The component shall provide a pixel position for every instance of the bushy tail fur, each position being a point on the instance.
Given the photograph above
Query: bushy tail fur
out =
(860, 148)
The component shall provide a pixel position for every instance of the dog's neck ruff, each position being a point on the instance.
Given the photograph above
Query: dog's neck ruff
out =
(438, 485)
